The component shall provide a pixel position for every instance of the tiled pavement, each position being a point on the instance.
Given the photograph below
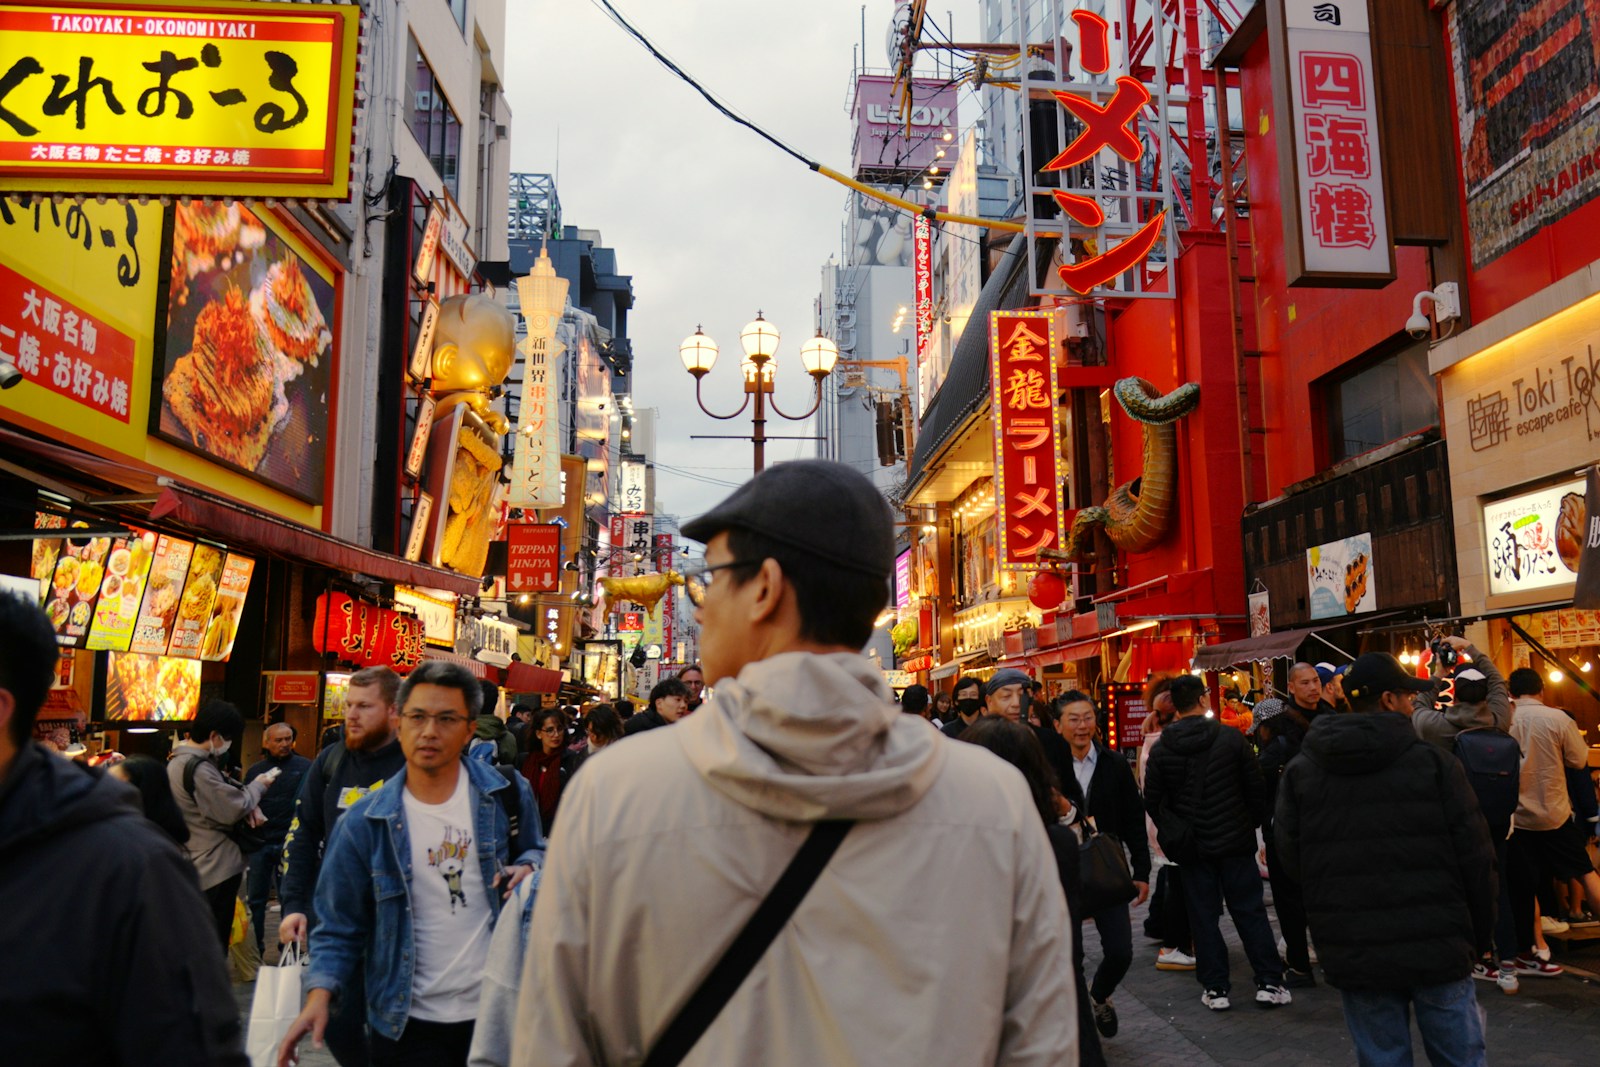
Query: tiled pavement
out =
(1550, 1023)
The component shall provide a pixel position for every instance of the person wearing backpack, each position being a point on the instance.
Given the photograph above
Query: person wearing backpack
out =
(347, 770)
(1547, 843)
(412, 883)
(492, 741)
(214, 806)
(1481, 697)
(1383, 833)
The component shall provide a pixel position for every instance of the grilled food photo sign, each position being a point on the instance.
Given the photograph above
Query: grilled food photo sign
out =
(197, 99)
(1341, 578)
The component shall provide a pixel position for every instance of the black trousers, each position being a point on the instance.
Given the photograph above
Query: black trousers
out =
(1289, 902)
(220, 897)
(424, 1044)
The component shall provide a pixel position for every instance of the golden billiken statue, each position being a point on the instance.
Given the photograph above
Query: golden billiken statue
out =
(472, 353)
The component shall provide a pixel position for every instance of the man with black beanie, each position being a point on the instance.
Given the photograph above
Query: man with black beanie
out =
(1383, 833)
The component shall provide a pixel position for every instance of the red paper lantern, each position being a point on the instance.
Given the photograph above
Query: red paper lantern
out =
(1047, 591)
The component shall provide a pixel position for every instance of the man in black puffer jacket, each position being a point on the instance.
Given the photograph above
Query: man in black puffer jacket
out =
(1383, 832)
(1205, 794)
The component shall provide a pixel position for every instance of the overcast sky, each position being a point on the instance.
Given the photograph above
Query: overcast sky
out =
(712, 222)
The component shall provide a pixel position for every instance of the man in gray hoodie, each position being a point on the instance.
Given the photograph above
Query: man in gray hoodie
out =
(1481, 697)
(670, 841)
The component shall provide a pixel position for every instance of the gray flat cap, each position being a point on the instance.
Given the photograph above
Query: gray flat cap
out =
(824, 509)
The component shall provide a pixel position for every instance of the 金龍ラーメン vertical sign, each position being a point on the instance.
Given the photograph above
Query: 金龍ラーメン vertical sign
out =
(1022, 373)
(536, 463)
(1336, 221)
(223, 98)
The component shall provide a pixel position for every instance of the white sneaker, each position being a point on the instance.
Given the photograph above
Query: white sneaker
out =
(1174, 959)
(1215, 999)
(1506, 978)
(1552, 925)
(1273, 996)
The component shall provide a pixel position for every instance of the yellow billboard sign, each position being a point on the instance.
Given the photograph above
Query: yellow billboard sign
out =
(78, 309)
(178, 96)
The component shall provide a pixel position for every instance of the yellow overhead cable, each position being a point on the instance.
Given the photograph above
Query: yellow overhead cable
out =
(914, 207)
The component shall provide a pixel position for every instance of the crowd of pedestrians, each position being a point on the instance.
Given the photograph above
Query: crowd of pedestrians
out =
(773, 873)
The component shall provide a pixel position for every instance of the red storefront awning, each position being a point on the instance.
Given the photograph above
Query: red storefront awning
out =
(527, 678)
(481, 671)
(244, 526)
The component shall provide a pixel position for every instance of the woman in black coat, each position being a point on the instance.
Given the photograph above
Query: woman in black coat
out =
(1017, 745)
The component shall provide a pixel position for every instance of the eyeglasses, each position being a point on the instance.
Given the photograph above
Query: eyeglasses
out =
(696, 582)
(551, 729)
(417, 719)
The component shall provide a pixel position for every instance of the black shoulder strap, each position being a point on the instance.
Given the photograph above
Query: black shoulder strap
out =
(741, 958)
(189, 771)
(511, 802)
(331, 758)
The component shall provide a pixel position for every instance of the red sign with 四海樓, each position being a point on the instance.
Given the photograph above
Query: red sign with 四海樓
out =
(1022, 373)
(533, 557)
(365, 634)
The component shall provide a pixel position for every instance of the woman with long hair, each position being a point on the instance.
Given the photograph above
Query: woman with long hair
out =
(1017, 745)
(549, 764)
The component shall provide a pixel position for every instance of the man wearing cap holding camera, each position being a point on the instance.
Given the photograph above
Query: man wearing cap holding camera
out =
(1383, 833)
(1481, 696)
(669, 843)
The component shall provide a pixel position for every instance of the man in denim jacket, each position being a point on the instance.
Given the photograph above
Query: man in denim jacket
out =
(412, 883)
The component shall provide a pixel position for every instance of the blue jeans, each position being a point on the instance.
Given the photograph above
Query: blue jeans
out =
(1447, 1018)
(1234, 880)
(259, 884)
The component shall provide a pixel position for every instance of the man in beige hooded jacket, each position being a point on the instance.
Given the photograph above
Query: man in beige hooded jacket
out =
(669, 840)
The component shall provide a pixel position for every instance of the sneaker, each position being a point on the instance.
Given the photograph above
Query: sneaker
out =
(1583, 919)
(1174, 959)
(1105, 1017)
(1215, 999)
(1536, 968)
(1483, 972)
(1551, 925)
(1506, 979)
(1272, 996)
(1541, 953)
(1294, 979)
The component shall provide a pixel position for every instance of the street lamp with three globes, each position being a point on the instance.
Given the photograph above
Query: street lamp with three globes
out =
(760, 342)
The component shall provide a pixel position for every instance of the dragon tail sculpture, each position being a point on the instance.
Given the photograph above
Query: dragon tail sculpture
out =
(1137, 513)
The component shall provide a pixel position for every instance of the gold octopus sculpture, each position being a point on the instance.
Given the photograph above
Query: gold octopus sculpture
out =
(1138, 513)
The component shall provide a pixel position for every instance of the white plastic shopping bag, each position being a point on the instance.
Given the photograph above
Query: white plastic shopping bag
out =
(275, 1006)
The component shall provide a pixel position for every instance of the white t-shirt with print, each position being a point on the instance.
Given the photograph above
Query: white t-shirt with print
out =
(449, 907)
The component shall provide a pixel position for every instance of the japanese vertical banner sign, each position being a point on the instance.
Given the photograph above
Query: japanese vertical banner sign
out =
(1022, 374)
(533, 557)
(536, 464)
(664, 561)
(1335, 219)
(220, 98)
(922, 265)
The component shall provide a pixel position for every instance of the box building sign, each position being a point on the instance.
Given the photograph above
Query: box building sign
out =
(212, 99)
(1337, 232)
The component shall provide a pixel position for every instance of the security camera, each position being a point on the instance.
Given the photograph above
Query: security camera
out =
(1446, 298)
(9, 374)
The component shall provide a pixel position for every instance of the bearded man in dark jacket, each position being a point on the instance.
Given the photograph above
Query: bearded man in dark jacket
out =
(1383, 832)
(110, 950)
(1204, 791)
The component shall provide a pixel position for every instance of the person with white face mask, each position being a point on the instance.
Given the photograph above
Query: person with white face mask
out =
(213, 804)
